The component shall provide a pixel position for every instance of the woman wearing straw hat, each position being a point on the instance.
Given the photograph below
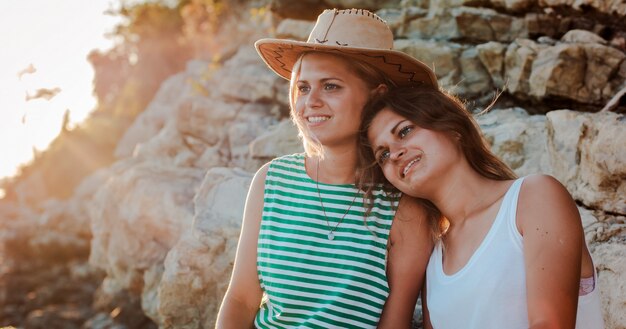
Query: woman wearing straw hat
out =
(311, 253)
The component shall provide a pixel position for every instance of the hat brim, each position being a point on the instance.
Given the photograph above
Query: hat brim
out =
(281, 54)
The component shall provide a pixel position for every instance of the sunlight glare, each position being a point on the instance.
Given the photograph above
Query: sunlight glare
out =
(55, 38)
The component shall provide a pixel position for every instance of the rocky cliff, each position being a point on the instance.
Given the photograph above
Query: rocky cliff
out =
(159, 227)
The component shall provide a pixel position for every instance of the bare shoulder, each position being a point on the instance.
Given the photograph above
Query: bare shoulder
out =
(410, 208)
(258, 181)
(255, 197)
(543, 200)
(539, 182)
(262, 172)
(542, 189)
(411, 220)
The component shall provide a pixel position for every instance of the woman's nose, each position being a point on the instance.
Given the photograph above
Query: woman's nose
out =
(397, 154)
(313, 99)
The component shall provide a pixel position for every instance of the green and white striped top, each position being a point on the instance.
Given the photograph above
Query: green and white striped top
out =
(309, 280)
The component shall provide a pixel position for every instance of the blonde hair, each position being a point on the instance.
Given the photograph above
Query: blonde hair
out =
(372, 77)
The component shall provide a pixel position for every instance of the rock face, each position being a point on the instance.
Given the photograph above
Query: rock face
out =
(518, 139)
(607, 257)
(587, 155)
(160, 227)
(198, 267)
(138, 217)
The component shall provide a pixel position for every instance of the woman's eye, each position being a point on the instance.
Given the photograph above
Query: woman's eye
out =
(382, 156)
(303, 89)
(331, 86)
(404, 131)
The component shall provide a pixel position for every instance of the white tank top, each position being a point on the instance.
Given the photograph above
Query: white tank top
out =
(489, 292)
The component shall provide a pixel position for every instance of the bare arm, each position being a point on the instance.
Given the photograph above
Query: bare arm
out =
(243, 297)
(425, 314)
(410, 245)
(550, 224)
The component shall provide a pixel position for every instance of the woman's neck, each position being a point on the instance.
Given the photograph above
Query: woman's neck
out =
(335, 167)
(463, 194)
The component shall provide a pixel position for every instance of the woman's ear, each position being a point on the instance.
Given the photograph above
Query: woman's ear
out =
(380, 90)
(456, 139)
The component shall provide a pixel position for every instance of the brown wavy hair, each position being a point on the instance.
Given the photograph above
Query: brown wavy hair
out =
(434, 110)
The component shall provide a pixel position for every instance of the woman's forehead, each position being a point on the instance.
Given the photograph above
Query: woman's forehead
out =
(383, 123)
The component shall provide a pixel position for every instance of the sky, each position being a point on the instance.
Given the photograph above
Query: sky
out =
(54, 37)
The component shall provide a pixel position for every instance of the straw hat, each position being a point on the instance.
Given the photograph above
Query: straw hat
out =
(355, 33)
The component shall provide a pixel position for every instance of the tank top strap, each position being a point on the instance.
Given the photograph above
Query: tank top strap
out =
(509, 207)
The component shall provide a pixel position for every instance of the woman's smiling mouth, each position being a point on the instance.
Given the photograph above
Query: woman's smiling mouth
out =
(410, 164)
(317, 119)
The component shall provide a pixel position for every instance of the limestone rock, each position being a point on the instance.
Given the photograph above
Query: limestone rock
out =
(582, 36)
(558, 71)
(609, 260)
(517, 138)
(441, 56)
(437, 7)
(587, 155)
(547, 24)
(52, 234)
(611, 7)
(32, 189)
(198, 268)
(577, 71)
(513, 5)
(206, 118)
(488, 25)
(602, 64)
(475, 78)
(162, 108)
(252, 122)
(167, 146)
(591, 224)
(301, 10)
(491, 54)
(138, 215)
(214, 156)
(436, 27)
(13, 211)
(150, 301)
(518, 63)
(310, 9)
(372, 5)
(397, 19)
(294, 29)
(279, 140)
(245, 78)
(55, 231)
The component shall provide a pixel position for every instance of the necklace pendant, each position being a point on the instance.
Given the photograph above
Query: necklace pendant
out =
(331, 236)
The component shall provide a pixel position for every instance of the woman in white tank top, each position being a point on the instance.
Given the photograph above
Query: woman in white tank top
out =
(510, 253)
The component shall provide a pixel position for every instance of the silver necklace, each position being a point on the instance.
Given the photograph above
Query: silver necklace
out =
(331, 230)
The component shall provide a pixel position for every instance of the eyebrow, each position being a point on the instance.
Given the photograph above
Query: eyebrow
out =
(321, 80)
(392, 131)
